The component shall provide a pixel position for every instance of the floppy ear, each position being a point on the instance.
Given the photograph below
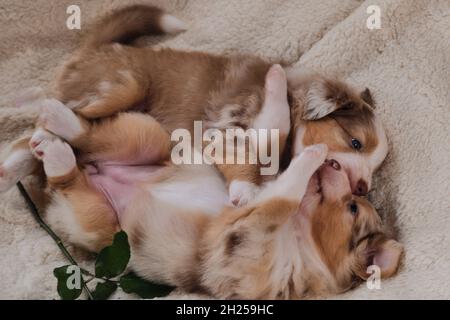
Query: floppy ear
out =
(367, 97)
(387, 257)
(384, 254)
(320, 101)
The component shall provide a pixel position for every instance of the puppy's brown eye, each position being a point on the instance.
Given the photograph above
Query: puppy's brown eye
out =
(356, 144)
(353, 208)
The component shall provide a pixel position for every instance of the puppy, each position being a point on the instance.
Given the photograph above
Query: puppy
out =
(107, 75)
(119, 153)
(304, 235)
(298, 239)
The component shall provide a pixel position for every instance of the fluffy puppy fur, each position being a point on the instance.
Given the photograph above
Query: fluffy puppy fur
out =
(107, 75)
(305, 234)
(174, 229)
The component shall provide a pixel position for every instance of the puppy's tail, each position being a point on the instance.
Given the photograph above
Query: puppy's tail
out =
(126, 24)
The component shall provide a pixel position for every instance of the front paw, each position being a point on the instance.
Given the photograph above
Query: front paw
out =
(242, 192)
(276, 84)
(315, 153)
(310, 159)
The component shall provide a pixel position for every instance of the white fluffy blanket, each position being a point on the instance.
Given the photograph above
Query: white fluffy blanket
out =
(405, 64)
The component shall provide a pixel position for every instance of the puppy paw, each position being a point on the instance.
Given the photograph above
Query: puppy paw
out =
(242, 192)
(171, 24)
(315, 152)
(16, 166)
(276, 83)
(275, 112)
(311, 158)
(60, 120)
(58, 158)
(37, 143)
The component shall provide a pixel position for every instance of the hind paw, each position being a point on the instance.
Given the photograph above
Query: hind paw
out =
(37, 143)
(311, 158)
(16, 166)
(60, 120)
(58, 158)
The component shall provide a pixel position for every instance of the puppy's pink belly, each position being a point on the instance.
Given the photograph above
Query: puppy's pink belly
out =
(117, 194)
(119, 183)
(129, 174)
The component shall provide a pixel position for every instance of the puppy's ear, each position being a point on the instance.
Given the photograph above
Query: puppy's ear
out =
(385, 254)
(318, 101)
(387, 257)
(325, 96)
(367, 97)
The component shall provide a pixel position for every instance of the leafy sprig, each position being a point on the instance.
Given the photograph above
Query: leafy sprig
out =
(110, 266)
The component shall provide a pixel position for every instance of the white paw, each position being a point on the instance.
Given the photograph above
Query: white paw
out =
(58, 158)
(275, 112)
(242, 192)
(38, 140)
(16, 166)
(316, 152)
(171, 24)
(276, 83)
(60, 120)
(311, 158)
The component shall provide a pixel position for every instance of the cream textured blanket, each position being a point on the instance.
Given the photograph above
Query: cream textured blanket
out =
(406, 64)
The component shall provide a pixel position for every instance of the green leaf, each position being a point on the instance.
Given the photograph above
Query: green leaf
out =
(70, 282)
(104, 290)
(113, 260)
(131, 283)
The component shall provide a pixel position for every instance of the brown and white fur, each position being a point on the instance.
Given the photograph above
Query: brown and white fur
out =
(322, 110)
(298, 238)
(107, 75)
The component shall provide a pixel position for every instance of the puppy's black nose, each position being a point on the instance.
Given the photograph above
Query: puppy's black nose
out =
(361, 188)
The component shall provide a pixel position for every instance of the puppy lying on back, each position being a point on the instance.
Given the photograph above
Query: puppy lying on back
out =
(107, 75)
(304, 235)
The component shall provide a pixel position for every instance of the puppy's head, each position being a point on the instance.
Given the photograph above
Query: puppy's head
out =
(347, 231)
(329, 111)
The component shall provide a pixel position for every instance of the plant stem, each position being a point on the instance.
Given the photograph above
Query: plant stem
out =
(109, 280)
(89, 280)
(44, 226)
